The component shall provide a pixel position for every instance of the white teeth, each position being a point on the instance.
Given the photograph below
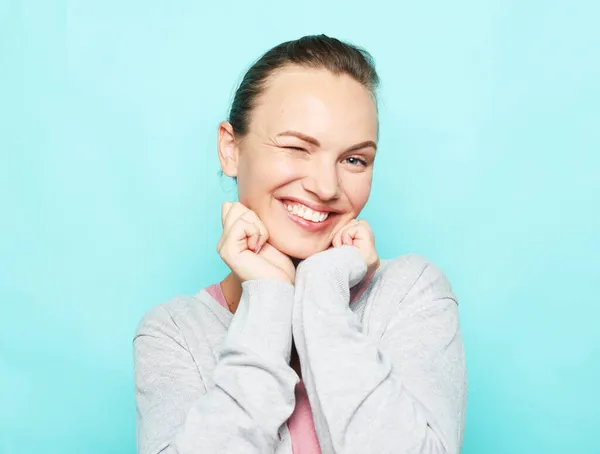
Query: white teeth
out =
(306, 213)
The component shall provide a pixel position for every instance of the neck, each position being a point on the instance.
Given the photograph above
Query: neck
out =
(232, 291)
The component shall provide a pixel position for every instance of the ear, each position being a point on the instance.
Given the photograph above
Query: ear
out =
(228, 150)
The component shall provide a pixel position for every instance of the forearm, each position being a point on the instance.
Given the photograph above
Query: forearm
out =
(253, 391)
(358, 389)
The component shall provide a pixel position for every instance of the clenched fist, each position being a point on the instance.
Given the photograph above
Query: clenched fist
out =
(244, 248)
(358, 233)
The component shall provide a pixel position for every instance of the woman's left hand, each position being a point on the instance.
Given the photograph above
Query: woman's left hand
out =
(358, 233)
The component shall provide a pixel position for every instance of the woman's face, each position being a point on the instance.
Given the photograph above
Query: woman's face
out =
(306, 165)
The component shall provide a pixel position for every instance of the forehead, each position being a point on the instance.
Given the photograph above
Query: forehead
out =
(332, 108)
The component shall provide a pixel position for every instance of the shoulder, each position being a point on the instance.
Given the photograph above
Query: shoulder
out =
(180, 313)
(415, 274)
(408, 289)
(162, 317)
(186, 330)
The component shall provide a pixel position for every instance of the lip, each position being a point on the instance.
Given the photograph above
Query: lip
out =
(312, 205)
(309, 225)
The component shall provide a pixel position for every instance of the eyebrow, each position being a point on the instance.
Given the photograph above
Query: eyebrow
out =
(316, 143)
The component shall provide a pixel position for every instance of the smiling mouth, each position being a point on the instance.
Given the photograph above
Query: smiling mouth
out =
(303, 212)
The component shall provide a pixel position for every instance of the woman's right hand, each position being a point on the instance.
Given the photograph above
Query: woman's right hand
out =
(243, 247)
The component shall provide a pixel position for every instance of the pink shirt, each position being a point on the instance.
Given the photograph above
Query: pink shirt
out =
(300, 423)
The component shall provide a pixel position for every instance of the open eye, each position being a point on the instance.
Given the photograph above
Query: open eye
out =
(353, 160)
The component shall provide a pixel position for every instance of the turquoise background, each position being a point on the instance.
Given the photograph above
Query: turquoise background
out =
(489, 165)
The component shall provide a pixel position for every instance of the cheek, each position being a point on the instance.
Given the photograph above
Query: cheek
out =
(258, 178)
(358, 192)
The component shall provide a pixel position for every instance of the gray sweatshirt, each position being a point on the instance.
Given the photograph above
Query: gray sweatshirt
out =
(385, 374)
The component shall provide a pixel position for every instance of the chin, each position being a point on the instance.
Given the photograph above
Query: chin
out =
(298, 250)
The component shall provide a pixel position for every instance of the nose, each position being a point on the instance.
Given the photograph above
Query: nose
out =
(323, 181)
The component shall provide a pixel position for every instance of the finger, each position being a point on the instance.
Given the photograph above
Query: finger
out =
(264, 236)
(338, 238)
(349, 235)
(251, 216)
(363, 222)
(235, 212)
(243, 232)
(228, 223)
(339, 229)
(366, 227)
(224, 210)
(364, 233)
(231, 212)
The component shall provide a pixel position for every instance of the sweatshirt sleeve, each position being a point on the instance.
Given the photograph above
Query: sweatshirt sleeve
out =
(404, 392)
(253, 391)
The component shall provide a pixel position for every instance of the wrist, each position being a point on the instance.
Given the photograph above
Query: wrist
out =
(345, 259)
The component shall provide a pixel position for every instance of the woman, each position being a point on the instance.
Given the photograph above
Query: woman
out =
(310, 344)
